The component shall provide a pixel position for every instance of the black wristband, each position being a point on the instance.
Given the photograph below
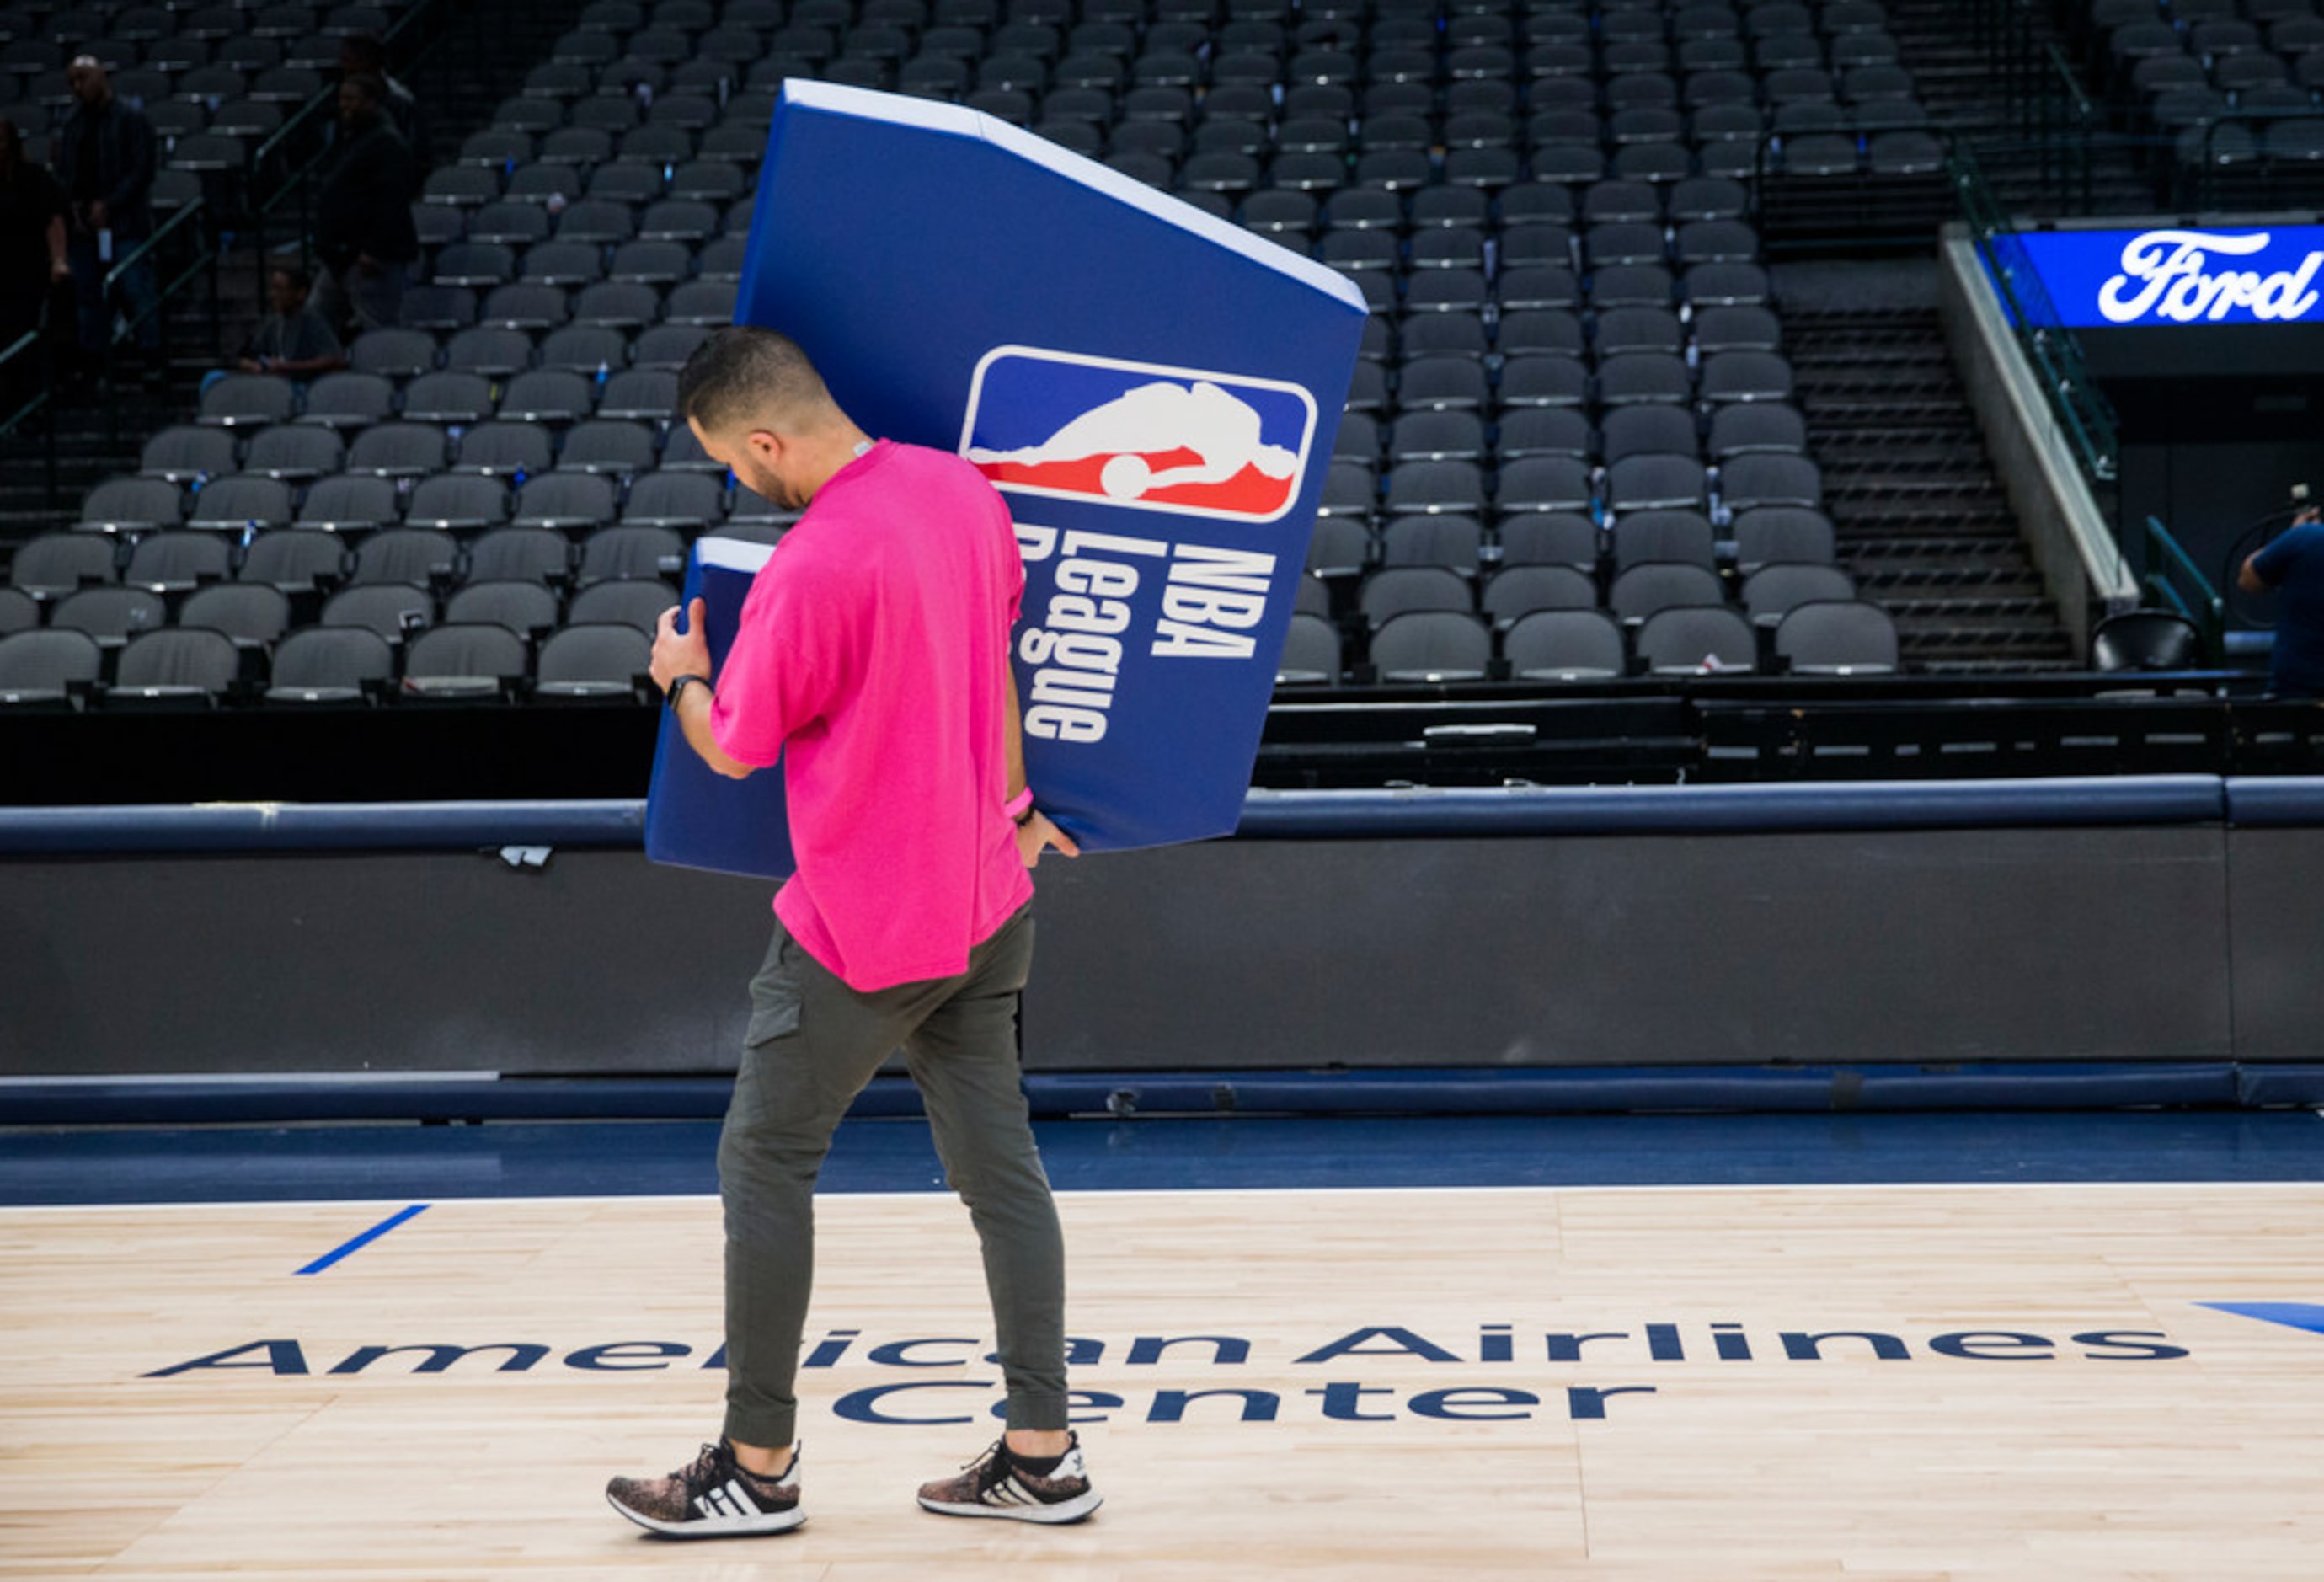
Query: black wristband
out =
(1026, 816)
(677, 688)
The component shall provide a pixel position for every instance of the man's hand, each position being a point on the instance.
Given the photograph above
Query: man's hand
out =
(97, 215)
(1037, 834)
(680, 653)
(2307, 515)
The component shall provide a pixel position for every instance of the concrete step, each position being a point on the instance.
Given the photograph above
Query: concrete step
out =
(1922, 524)
(1848, 416)
(1961, 500)
(1980, 567)
(1862, 525)
(1871, 464)
(1969, 615)
(1949, 665)
(1964, 554)
(1954, 648)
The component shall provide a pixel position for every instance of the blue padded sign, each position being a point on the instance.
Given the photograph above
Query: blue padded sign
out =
(1155, 392)
(697, 818)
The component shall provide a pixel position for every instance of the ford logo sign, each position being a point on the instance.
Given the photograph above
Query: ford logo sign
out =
(2167, 273)
(2169, 276)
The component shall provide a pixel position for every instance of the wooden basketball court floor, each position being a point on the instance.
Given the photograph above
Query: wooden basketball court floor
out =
(1929, 1379)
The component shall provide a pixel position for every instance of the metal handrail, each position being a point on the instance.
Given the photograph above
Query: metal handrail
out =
(161, 294)
(325, 98)
(2207, 607)
(2081, 408)
(33, 343)
(266, 151)
(2086, 113)
(2205, 168)
(28, 342)
(296, 180)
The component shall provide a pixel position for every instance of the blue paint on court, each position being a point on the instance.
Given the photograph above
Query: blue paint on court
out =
(648, 1158)
(355, 1243)
(2305, 1315)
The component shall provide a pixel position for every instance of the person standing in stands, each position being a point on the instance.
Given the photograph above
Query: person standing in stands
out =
(105, 157)
(873, 661)
(364, 233)
(2293, 566)
(365, 55)
(32, 261)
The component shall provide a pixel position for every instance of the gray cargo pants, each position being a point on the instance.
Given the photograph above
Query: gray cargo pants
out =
(812, 1045)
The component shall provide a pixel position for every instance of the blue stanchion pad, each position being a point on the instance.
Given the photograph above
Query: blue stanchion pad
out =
(1153, 390)
(1123, 1095)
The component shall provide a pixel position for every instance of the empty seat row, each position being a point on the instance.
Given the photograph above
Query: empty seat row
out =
(1636, 483)
(1762, 536)
(677, 245)
(475, 661)
(258, 613)
(1837, 637)
(52, 570)
(1423, 435)
(1557, 379)
(493, 352)
(1633, 594)
(571, 503)
(1355, 208)
(183, 666)
(487, 380)
(192, 455)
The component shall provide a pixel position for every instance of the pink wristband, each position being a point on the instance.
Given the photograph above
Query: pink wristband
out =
(1017, 806)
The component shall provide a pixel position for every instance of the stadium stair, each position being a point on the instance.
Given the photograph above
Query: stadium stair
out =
(95, 441)
(1954, 73)
(482, 60)
(1922, 523)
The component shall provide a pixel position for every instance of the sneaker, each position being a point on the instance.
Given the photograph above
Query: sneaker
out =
(997, 1484)
(711, 1498)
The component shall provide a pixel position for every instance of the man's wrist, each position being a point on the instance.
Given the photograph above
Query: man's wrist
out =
(679, 684)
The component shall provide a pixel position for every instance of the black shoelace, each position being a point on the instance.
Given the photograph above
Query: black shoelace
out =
(705, 1473)
(991, 1468)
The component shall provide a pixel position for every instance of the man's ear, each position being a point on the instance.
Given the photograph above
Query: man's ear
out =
(765, 444)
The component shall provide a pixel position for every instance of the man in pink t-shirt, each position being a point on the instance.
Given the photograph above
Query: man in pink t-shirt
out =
(871, 661)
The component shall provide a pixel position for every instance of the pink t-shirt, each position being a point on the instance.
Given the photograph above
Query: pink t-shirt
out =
(872, 659)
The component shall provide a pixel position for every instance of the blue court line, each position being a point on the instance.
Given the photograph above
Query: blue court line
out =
(366, 1237)
(515, 1158)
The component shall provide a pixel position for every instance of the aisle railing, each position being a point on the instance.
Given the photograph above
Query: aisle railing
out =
(2082, 409)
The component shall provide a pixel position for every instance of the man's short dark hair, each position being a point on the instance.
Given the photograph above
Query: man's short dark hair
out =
(368, 50)
(744, 370)
(298, 277)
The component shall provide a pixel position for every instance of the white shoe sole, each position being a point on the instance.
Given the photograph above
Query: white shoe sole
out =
(764, 1525)
(1055, 1515)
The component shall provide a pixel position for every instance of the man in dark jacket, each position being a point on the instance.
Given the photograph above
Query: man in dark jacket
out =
(104, 161)
(34, 263)
(364, 233)
(365, 54)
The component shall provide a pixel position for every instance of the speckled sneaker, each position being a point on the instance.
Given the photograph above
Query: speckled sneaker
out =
(711, 1498)
(999, 1484)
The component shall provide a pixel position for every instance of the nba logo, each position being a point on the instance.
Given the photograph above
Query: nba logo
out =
(1140, 436)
